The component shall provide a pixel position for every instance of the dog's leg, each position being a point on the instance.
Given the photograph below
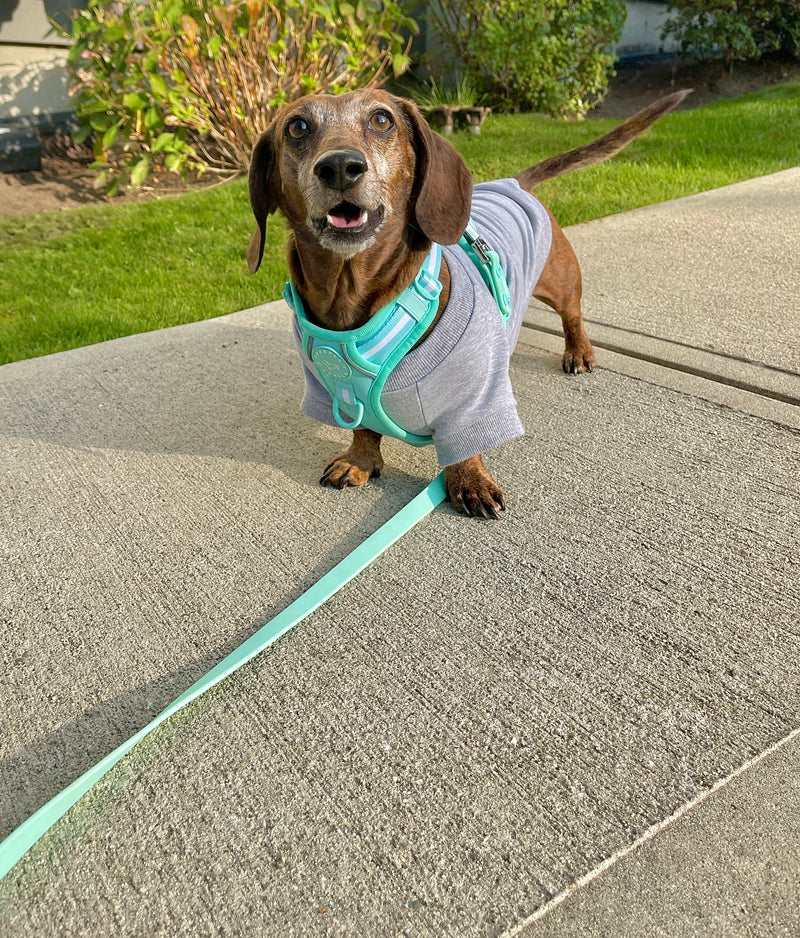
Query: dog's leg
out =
(360, 462)
(472, 489)
(560, 287)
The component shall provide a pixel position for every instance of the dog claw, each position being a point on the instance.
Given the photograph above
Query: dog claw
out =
(488, 512)
(342, 476)
(473, 491)
(476, 507)
(494, 513)
(340, 483)
(576, 366)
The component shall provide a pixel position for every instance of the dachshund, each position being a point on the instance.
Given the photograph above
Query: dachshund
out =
(368, 190)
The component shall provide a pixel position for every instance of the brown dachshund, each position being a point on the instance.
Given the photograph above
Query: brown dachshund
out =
(366, 188)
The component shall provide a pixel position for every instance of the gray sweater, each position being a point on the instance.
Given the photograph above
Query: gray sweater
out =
(455, 386)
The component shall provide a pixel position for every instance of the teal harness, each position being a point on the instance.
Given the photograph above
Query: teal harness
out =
(353, 366)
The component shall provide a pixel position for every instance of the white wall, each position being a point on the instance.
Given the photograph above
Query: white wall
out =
(33, 79)
(641, 34)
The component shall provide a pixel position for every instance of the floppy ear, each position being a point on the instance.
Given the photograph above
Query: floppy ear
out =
(443, 183)
(263, 185)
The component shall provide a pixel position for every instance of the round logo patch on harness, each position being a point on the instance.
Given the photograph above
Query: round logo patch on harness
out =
(331, 363)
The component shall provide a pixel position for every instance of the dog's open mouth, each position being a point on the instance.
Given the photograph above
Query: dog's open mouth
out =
(348, 226)
(346, 216)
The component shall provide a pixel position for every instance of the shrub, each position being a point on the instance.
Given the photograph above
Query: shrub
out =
(738, 29)
(191, 83)
(548, 55)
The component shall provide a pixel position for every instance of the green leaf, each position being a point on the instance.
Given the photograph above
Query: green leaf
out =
(99, 122)
(158, 86)
(150, 61)
(140, 171)
(153, 118)
(114, 34)
(173, 162)
(162, 142)
(110, 136)
(134, 101)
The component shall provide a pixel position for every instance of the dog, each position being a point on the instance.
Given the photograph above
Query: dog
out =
(368, 191)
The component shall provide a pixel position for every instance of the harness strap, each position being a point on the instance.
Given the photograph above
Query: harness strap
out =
(353, 366)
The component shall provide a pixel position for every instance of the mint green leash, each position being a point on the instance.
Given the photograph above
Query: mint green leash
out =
(25, 836)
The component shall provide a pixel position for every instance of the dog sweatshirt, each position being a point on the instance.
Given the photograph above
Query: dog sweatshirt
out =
(455, 386)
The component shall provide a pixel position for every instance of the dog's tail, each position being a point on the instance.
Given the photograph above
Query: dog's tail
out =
(604, 147)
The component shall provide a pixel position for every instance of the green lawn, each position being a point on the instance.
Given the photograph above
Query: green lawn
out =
(82, 276)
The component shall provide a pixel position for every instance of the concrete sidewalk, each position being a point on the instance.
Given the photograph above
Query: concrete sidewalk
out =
(581, 720)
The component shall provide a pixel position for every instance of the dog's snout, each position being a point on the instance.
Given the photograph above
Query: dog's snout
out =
(340, 169)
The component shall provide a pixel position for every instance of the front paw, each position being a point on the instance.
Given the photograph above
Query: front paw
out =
(472, 489)
(578, 359)
(342, 472)
(359, 463)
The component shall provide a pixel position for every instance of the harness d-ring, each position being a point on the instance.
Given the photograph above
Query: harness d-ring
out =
(342, 421)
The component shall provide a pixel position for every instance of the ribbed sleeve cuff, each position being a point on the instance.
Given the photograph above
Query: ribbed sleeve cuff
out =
(494, 430)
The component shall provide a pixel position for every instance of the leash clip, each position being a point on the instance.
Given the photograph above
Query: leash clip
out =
(490, 268)
(481, 248)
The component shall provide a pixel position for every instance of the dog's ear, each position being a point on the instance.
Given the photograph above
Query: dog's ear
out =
(263, 185)
(443, 183)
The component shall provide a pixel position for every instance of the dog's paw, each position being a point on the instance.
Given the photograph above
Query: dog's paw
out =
(359, 463)
(342, 473)
(472, 489)
(577, 361)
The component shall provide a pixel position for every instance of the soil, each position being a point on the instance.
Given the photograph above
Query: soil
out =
(65, 181)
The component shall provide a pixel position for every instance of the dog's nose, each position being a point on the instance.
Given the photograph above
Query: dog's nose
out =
(340, 169)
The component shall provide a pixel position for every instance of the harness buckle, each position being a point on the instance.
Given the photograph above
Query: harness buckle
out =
(428, 285)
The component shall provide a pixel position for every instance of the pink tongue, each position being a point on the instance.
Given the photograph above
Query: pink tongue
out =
(348, 220)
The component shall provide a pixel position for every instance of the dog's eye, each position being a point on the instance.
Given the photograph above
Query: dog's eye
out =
(381, 121)
(298, 129)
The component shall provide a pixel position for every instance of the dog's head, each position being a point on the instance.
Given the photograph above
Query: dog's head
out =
(349, 170)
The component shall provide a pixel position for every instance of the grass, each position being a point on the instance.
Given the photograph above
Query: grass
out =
(81, 276)
(86, 275)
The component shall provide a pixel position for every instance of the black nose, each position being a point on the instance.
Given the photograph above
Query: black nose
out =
(340, 169)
